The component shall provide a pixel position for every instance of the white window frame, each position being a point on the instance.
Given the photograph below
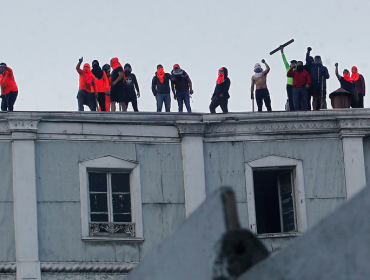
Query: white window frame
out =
(298, 189)
(111, 164)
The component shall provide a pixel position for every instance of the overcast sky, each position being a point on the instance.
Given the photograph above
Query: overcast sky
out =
(42, 41)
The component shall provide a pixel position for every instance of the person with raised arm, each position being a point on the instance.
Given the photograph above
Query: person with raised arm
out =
(259, 80)
(9, 89)
(87, 92)
(346, 83)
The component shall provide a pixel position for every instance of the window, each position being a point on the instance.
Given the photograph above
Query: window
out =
(110, 204)
(110, 196)
(274, 200)
(276, 196)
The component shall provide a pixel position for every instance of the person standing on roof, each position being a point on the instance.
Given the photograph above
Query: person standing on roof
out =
(181, 88)
(130, 86)
(87, 89)
(262, 93)
(301, 83)
(9, 89)
(101, 82)
(106, 69)
(161, 88)
(308, 69)
(221, 94)
(117, 89)
(347, 83)
(360, 86)
(289, 83)
(319, 75)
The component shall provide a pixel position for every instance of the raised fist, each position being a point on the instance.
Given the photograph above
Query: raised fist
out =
(336, 64)
(263, 61)
(81, 59)
(309, 49)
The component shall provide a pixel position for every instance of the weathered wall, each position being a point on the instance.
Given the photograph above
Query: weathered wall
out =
(59, 198)
(325, 187)
(7, 244)
(366, 142)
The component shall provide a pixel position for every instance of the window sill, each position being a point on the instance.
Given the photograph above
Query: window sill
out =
(278, 235)
(112, 238)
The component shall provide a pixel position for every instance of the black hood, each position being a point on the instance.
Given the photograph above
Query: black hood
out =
(225, 71)
(96, 70)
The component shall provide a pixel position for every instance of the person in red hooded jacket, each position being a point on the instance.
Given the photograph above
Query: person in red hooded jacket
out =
(106, 69)
(359, 81)
(87, 91)
(9, 89)
(101, 82)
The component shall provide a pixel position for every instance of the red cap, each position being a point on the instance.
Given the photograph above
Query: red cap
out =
(176, 66)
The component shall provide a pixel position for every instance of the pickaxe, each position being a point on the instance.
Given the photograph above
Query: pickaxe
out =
(282, 47)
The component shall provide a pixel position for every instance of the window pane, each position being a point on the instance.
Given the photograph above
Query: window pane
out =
(97, 182)
(287, 206)
(267, 201)
(120, 182)
(98, 202)
(121, 203)
(99, 217)
(122, 218)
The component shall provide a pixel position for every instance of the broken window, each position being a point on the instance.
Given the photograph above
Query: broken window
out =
(274, 200)
(110, 203)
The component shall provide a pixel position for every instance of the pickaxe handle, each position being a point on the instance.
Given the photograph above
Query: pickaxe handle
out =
(282, 47)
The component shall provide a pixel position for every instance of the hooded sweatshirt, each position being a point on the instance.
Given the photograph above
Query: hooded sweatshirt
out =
(100, 78)
(223, 87)
(359, 81)
(7, 81)
(87, 79)
(317, 71)
(181, 80)
(161, 87)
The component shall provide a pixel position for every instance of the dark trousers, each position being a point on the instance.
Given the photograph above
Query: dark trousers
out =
(131, 97)
(360, 102)
(300, 99)
(354, 102)
(219, 101)
(7, 104)
(289, 91)
(263, 95)
(183, 97)
(101, 100)
(86, 98)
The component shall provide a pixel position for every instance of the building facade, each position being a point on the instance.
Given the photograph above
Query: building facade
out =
(87, 195)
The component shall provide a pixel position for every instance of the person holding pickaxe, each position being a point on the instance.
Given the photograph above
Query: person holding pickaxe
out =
(289, 83)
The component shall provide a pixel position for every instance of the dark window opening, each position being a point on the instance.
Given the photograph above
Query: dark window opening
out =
(274, 201)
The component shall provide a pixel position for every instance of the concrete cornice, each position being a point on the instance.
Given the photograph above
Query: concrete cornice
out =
(170, 127)
(86, 267)
(7, 267)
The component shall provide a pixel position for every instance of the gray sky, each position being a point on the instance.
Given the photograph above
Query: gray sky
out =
(42, 41)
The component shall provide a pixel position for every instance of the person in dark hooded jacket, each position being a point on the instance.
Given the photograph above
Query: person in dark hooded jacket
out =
(319, 74)
(161, 88)
(221, 94)
(130, 85)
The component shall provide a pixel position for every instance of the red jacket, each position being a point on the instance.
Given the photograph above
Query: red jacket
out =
(300, 80)
(7, 82)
